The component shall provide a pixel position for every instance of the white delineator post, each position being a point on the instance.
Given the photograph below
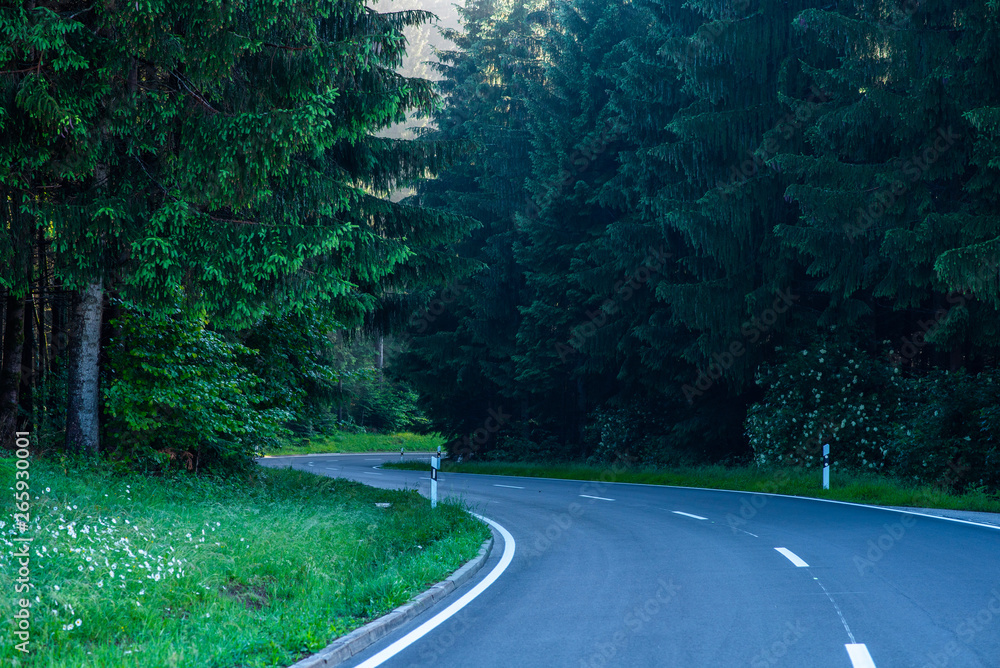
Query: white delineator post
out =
(435, 463)
(826, 466)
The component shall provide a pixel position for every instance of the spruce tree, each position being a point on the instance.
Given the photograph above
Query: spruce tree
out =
(462, 342)
(894, 183)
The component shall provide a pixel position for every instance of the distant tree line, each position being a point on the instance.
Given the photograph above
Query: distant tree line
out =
(683, 200)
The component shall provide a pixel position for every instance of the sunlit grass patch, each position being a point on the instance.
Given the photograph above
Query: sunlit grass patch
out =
(251, 571)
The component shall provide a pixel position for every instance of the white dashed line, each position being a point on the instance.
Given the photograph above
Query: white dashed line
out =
(599, 498)
(860, 657)
(697, 517)
(792, 557)
(370, 473)
(509, 486)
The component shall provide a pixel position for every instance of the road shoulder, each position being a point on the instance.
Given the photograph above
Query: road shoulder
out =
(967, 515)
(359, 639)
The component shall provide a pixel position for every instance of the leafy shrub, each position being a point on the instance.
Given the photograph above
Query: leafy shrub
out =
(638, 434)
(178, 396)
(384, 405)
(296, 360)
(611, 432)
(829, 393)
(949, 429)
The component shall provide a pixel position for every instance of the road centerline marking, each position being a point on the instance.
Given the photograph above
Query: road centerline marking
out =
(599, 498)
(860, 658)
(697, 517)
(792, 557)
(840, 614)
(509, 486)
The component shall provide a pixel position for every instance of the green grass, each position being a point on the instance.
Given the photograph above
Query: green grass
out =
(856, 487)
(345, 442)
(192, 571)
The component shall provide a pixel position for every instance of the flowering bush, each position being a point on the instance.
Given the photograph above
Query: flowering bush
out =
(828, 393)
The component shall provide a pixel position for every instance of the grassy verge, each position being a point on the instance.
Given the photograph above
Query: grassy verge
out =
(845, 486)
(344, 442)
(256, 571)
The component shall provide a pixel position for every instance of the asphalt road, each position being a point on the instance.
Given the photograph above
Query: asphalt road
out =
(608, 574)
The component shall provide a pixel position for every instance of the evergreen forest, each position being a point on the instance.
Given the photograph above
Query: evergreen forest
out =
(650, 232)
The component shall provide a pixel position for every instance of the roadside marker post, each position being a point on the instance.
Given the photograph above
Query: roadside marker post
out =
(826, 466)
(435, 464)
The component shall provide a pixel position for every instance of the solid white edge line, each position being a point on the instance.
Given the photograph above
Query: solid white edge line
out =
(435, 621)
(697, 517)
(860, 658)
(599, 498)
(792, 557)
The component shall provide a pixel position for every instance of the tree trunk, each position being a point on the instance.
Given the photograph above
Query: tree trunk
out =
(10, 372)
(111, 313)
(42, 341)
(82, 418)
(28, 371)
(59, 339)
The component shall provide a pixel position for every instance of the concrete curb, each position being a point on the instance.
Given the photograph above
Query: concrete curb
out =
(357, 640)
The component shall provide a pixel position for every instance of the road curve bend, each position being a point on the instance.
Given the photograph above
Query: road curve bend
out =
(613, 574)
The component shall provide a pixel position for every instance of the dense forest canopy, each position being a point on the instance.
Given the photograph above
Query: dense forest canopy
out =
(719, 230)
(654, 231)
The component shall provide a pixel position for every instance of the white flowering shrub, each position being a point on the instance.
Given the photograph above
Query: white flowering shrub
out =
(611, 431)
(828, 393)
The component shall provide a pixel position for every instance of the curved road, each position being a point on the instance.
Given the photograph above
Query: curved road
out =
(610, 574)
